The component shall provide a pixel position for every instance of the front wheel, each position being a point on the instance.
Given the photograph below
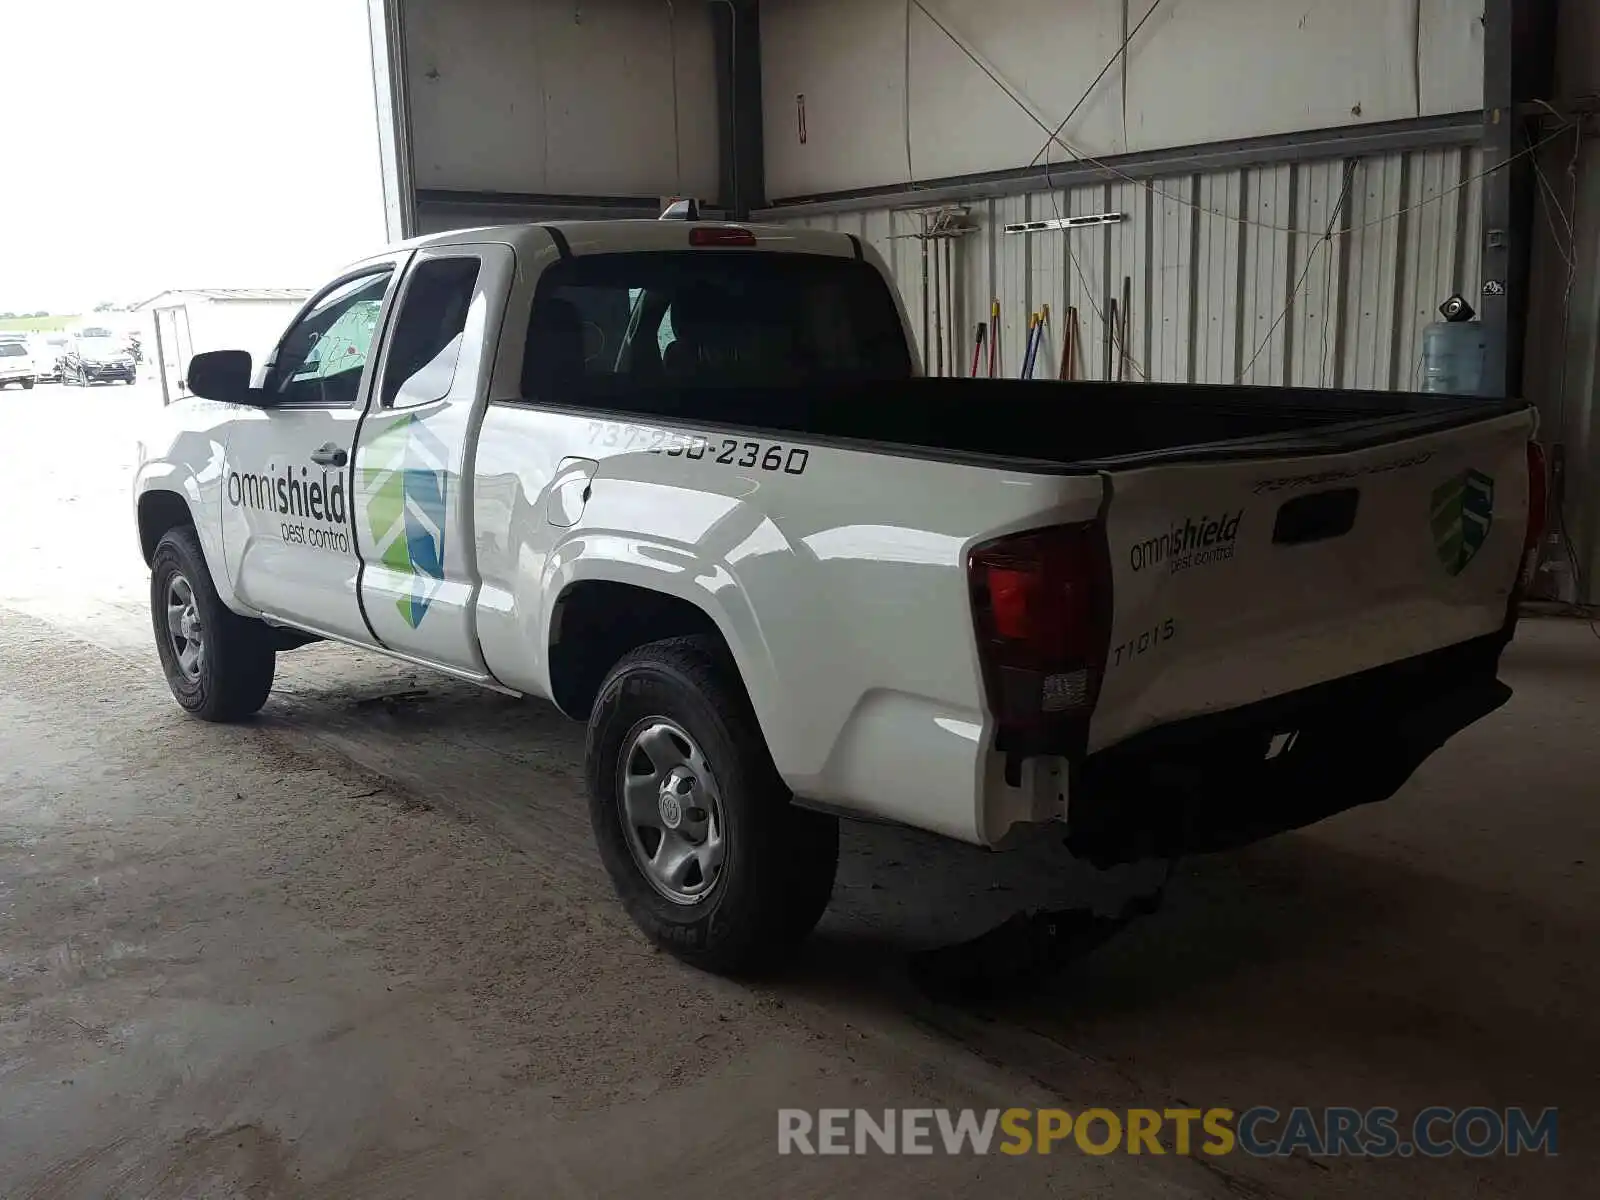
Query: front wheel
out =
(701, 838)
(218, 664)
(27, 385)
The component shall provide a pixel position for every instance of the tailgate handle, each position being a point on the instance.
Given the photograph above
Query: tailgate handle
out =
(1316, 518)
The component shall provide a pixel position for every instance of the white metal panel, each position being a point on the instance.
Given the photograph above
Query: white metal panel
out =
(1196, 73)
(1313, 319)
(1165, 307)
(1218, 283)
(1088, 255)
(548, 96)
(1271, 265)
(1370, 357)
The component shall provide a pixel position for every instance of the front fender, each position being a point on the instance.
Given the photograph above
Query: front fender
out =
(201, 493)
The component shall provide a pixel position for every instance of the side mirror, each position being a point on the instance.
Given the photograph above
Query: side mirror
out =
(223, 375)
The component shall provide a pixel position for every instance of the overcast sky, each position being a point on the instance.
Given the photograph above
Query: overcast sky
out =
(154, 144)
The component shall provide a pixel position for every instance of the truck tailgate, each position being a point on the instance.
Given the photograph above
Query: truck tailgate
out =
(1238, 579)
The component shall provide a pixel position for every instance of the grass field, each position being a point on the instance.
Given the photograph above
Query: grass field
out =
(36, 324)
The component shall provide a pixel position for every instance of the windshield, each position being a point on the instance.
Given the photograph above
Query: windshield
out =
(98, 347)
(12, 350)
(96, 332)
(720, 318)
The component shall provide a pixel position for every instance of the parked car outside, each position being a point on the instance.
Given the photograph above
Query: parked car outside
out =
(48, 350)
(97, 356)
(16, 363)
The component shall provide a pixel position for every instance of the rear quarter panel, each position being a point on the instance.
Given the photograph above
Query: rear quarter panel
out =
(836, 575)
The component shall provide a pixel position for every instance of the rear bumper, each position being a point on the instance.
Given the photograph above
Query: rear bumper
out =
(1225, 780)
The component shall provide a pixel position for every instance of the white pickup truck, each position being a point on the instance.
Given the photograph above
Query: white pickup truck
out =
(684, 480)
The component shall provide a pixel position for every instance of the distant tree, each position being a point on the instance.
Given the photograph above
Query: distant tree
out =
(8, 316)
(105, 306)
(43, 312)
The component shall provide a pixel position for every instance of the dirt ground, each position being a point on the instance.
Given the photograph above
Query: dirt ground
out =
(361, 947)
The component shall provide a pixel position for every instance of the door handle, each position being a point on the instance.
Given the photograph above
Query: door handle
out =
(330, 455)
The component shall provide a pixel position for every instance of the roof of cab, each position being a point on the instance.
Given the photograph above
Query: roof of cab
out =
(612, 237)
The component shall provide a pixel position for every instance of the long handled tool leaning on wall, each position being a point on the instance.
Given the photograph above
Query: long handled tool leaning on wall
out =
(1038, 324)
(994, 339)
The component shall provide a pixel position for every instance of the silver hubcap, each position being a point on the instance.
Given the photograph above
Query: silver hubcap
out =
(671, 811)
(184, 629)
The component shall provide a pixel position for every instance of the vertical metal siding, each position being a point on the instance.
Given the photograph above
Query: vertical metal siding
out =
(1213, 260)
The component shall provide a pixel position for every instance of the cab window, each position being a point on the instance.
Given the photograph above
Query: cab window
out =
(608, 324)
(321, 359)
(420, 365)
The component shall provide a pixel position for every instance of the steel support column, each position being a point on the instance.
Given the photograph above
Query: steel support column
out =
(736, 34)
(1518, 65)
(391, 93)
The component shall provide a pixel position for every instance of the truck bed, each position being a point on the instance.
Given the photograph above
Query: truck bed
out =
(1259, 540)
(1053, 425)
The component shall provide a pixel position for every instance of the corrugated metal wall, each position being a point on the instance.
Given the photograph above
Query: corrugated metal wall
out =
(1212, 261)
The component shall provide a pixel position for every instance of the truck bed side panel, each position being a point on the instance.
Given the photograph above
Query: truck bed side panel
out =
(837, 577)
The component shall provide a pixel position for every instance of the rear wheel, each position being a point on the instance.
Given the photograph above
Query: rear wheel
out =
(218, 664)
(701, 838)
(27, 385)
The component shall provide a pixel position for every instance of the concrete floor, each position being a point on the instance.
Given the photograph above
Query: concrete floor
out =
(361, 947)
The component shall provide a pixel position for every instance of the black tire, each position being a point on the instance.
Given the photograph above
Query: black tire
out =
(235, 672)
(27, 385)
(779, 860)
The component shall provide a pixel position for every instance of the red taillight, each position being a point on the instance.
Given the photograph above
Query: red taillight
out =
(1538, 512)
(1041, 603)
(720, 235)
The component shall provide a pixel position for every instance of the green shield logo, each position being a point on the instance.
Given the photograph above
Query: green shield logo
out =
(1463, 512)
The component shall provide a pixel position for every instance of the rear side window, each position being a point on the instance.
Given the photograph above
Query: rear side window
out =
(606, 324)
(12, 350)
(421, 363)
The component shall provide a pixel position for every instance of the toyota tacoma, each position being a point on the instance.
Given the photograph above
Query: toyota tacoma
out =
(686, 481)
